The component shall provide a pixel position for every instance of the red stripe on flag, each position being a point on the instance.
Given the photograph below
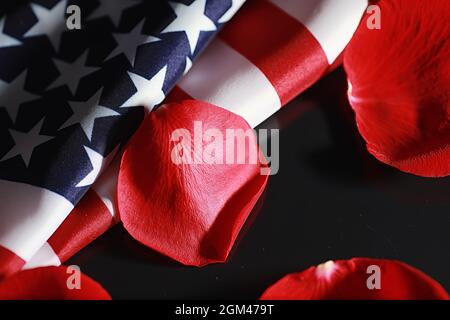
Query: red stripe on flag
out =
(281, 47)
(10, 262)
(177, 94)
(90, 219)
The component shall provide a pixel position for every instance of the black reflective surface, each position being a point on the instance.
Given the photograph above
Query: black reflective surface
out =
(329, 200)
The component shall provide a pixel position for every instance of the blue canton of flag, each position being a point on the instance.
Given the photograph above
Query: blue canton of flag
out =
(70, 98)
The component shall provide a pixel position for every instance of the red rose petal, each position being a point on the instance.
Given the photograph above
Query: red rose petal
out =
(190, 212)
(347, 279)
(50, 283)
(399, 88)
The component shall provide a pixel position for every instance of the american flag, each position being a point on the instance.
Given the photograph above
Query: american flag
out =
(70, 99)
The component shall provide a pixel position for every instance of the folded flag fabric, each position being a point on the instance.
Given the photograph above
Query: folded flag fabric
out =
(269, 53)
(69, 99)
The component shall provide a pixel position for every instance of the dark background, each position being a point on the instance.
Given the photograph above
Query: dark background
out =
(329, 200)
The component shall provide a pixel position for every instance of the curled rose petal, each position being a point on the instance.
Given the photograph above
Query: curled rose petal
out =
(358, 278)
(178, 191)
(399, 85)
(51, 283)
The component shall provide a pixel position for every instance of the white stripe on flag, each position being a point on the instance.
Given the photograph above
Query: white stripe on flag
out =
(106, 186)
(29, 217)
(332, 22)
(222, 76)
(45, 257)
(235, 5)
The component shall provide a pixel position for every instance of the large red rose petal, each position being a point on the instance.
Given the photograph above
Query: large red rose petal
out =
(189, 212)
(399, 85)
(50, 283)
(348, 279)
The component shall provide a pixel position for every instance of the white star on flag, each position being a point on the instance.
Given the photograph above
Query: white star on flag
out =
(149, 92)
(191, 20)
(5, 40)
(51, 22)
(26, 142)
(85, 113)
(12, 95)
(112, 9)
(235, 5)
(71, 73)
(128, 43)
(188, 65)
(98, 163)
